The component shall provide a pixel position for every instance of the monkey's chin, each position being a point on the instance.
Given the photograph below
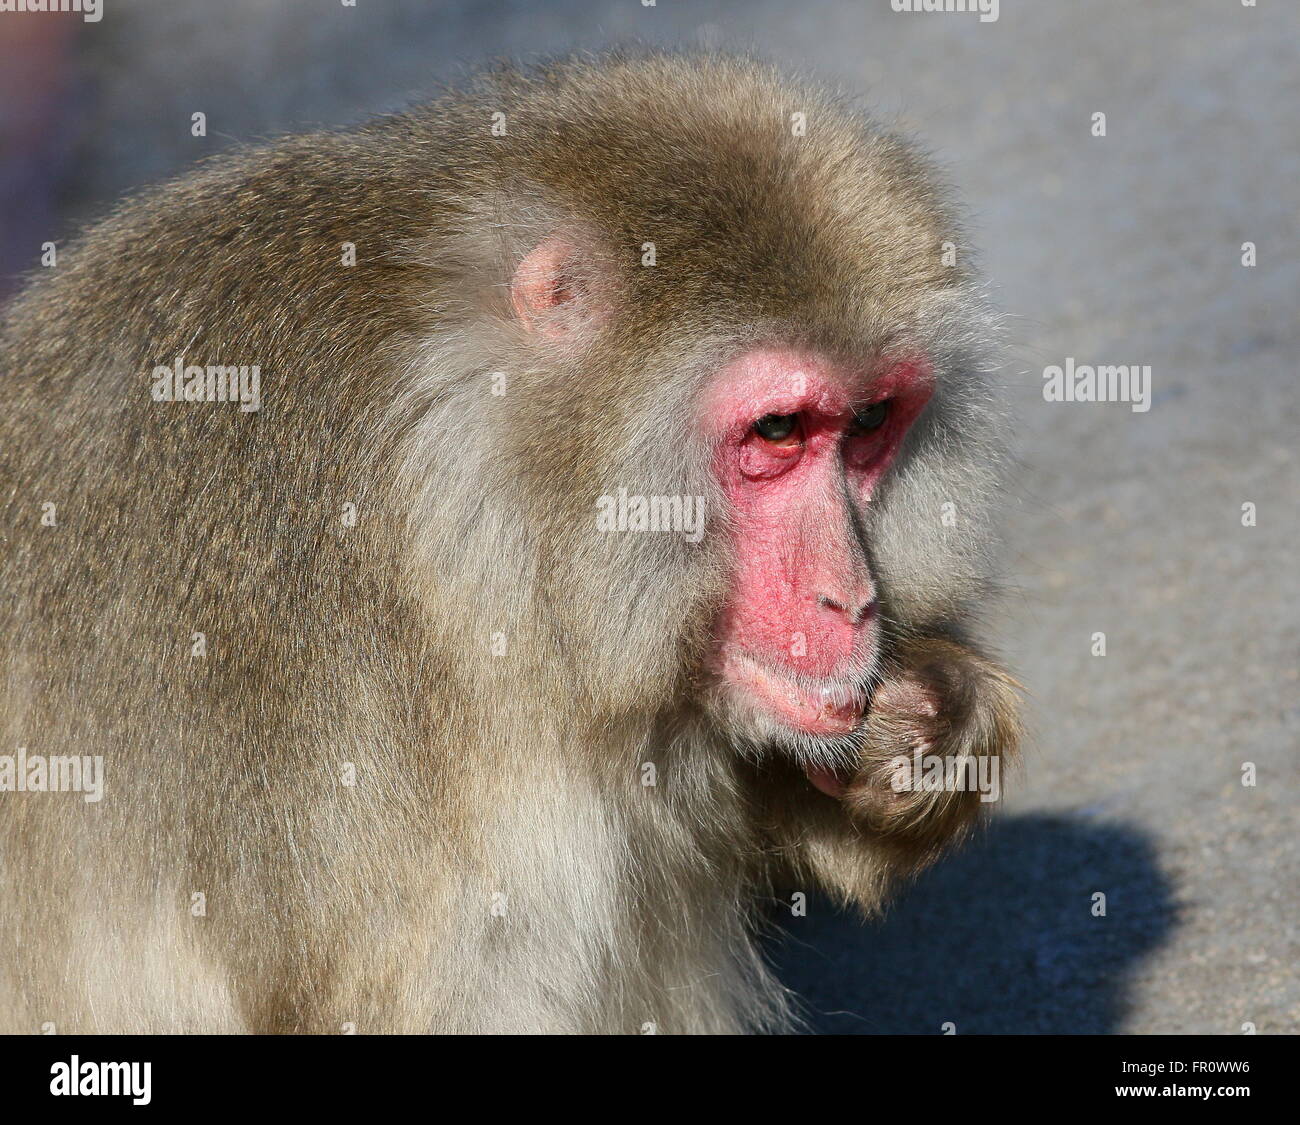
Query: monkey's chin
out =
(813, 709)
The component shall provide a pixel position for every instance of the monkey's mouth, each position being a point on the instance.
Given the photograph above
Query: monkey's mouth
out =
(818, 707)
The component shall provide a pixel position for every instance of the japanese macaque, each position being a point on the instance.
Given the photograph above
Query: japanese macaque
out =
(591, 556)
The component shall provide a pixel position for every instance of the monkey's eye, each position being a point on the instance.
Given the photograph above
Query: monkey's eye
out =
(776, 427)
(872, 417)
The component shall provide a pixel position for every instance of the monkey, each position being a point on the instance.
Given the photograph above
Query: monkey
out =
(399, 732)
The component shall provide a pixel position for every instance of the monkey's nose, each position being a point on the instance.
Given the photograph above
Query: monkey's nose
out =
(854, 610)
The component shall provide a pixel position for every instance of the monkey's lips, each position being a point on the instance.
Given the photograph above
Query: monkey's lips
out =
(828, 707)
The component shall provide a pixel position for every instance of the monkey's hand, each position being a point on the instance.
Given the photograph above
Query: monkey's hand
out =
(939, 732)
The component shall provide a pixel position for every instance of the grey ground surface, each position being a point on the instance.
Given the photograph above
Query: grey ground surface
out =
(1116, 250)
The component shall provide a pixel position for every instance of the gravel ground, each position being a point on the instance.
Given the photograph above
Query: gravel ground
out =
(1123, 249)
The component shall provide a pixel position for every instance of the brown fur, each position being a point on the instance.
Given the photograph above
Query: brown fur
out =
(480, 774)
(889, 835)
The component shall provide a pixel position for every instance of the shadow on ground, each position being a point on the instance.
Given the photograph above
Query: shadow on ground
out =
(998, 939)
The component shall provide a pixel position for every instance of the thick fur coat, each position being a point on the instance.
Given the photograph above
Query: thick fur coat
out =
(402, 779)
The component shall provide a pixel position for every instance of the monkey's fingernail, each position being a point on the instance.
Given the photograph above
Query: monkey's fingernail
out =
(829, 781)
(835, 698)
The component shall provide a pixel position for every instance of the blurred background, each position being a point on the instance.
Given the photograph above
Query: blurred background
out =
(1122, 249)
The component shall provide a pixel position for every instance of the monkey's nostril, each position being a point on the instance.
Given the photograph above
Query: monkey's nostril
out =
(856, 613)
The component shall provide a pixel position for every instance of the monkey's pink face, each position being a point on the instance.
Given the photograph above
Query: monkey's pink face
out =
(801, 445)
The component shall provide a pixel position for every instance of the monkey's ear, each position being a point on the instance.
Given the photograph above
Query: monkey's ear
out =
(555, 290)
